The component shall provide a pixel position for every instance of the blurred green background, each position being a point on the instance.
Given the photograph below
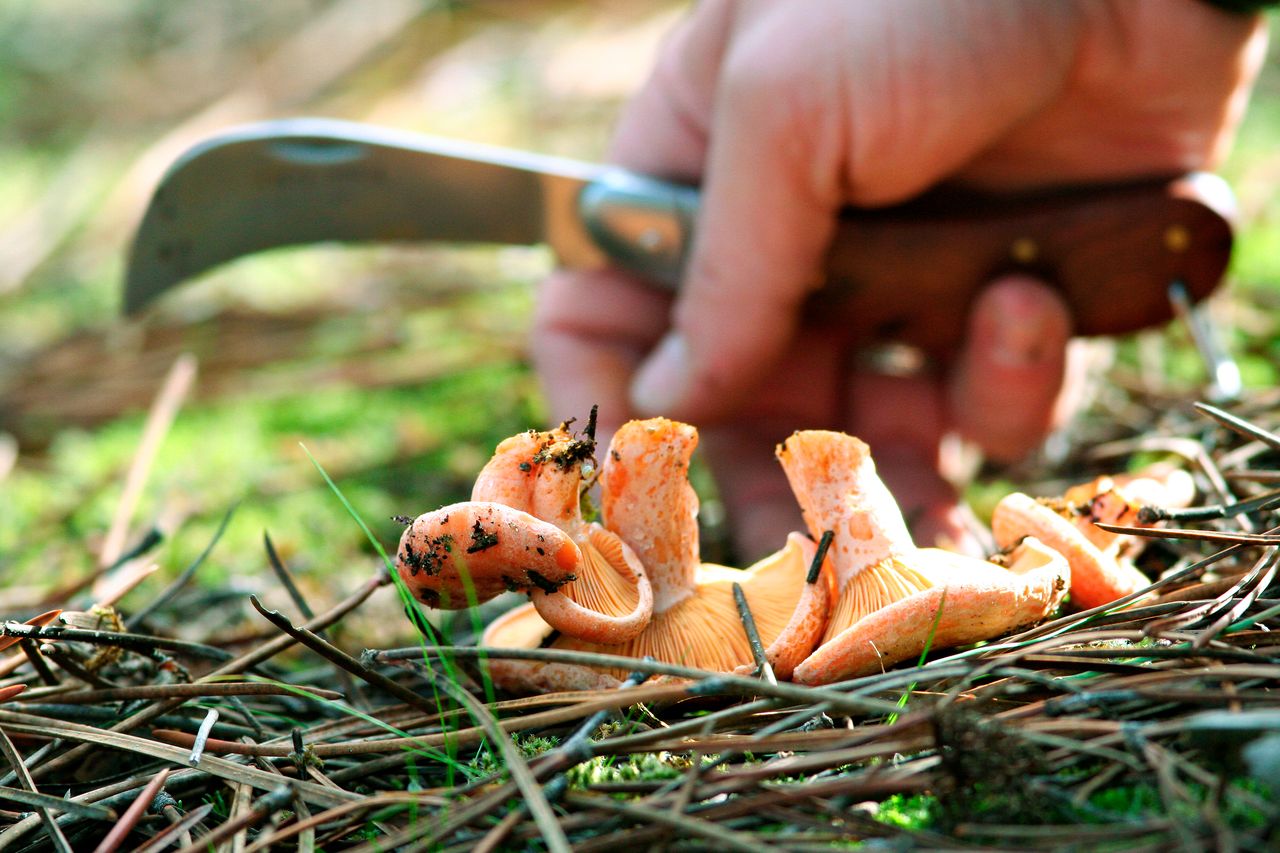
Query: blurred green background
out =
(397, 369)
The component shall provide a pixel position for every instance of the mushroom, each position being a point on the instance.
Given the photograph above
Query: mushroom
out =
(610, 598)
(647, 500)
(1102, 568)
(523, 530)
(894, 599)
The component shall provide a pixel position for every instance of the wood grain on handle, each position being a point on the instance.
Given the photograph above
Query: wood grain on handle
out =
(909, 273)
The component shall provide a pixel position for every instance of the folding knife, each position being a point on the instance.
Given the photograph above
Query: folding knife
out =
(905, 273)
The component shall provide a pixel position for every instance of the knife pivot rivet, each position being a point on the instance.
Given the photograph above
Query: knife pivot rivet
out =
(650, 239)
(1024, 250)
(1177, 238)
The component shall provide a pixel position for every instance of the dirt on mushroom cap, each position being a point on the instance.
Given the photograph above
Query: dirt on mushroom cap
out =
(469, 552)
(1102, 570)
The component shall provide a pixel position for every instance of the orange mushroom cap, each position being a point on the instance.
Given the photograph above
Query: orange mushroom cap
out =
(647, 499)
(894, 598)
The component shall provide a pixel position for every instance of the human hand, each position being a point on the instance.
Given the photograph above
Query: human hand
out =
(787, 112)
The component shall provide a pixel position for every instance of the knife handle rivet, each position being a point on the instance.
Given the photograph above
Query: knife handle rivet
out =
(1024, 250)
(1177, 238)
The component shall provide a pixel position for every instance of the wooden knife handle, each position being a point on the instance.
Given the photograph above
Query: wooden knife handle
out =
(909, 273)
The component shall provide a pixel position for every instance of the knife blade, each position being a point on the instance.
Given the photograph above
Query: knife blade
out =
(1111, 249)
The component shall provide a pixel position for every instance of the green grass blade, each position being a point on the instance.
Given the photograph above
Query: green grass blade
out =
(924, 653)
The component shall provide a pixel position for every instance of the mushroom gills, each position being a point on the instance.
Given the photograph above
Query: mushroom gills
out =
(705, 631)
(608, 601)
(601, 585)
(874, 587)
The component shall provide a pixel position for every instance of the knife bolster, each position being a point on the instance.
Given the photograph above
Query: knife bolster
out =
(644, 225)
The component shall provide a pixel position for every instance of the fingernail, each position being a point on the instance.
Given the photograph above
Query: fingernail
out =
(1020, 323)
(1019, 339)
(661, 382)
